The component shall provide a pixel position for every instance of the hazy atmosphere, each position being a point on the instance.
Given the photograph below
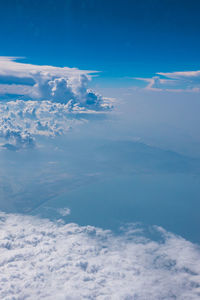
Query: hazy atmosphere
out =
(99, 150)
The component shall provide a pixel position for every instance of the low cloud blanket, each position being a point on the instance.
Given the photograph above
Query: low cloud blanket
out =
(40, 259)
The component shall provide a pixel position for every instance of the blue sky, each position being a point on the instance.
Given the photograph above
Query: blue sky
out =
(99, 170)
(123, 39)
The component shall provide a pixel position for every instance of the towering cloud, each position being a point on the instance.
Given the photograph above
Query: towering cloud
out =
(48, 102)
(47, 83)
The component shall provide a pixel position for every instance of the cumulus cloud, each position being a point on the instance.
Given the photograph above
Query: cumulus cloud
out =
(175, 81)
(52, 97)
(48, 83)
(47, 260)
(22, 121)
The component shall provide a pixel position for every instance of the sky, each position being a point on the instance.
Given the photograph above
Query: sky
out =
(99, 149)
(122, 39)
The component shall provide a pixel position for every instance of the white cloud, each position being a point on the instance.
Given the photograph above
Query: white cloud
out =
(10, 67)
(21, 121)
(179, 75)
(48, 83)
(190, 80)
(64, 211)
(40, 259)
(174, 82)
(50, 102)
(155, 83)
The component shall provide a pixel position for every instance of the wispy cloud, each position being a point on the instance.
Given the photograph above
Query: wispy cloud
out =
(188, 81)
(181, 75)
(10, 67)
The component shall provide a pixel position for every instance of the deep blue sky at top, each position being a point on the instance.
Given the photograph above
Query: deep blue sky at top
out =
(122, 38)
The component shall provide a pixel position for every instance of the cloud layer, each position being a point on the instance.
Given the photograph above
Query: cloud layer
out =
(46, 260)
(175, 81)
